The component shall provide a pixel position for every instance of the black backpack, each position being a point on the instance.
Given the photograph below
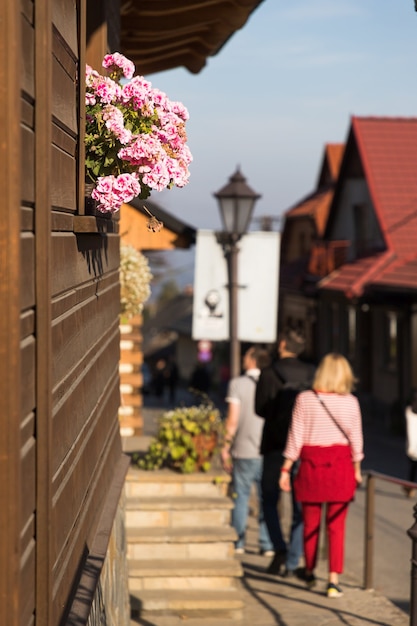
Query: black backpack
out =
(285, 401)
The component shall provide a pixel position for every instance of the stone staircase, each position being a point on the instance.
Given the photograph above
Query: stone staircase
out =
(180, 546)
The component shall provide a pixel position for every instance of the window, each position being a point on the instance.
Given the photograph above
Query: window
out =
(361, 227)
(391, 339)
(303, 243)
(335, 326)
(351, 334)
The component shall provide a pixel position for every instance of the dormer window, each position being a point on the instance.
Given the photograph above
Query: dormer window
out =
(391, 340)
(361, 228)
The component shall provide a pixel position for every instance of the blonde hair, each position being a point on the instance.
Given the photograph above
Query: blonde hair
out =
(334, 374)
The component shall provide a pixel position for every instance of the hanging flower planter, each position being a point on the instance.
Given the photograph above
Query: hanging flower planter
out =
(135, 136)
(135, 278)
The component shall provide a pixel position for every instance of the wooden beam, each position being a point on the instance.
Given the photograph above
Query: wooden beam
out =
(10, 150)
(82, 30)
(96, 34)
(43, 181)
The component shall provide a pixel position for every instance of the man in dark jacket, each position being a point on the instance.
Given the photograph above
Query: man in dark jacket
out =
(276, 391)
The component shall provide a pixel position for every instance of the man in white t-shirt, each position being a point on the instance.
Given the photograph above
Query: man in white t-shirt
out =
(241, 452)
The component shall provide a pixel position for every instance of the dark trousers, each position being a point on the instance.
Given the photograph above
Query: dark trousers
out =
(270, 499)
(412, 470)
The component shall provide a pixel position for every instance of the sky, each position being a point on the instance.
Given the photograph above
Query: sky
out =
(281, 88)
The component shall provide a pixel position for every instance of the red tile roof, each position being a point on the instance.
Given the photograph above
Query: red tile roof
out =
(349, 276)
(400, 274)
(388, 151)
(334, 154)
(317, 204)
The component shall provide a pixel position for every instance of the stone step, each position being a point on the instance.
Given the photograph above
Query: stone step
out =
(190, 603)
(177, 511)
(184, 574)
(203, 534)
(148, 503)
(180, 543)
(141, 483)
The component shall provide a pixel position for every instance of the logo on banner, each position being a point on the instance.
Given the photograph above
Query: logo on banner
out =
(211, 310)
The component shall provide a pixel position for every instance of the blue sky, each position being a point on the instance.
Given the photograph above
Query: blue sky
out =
(283, 86)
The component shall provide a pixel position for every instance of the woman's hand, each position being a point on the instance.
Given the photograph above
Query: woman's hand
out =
(284, 481)
(358, 474)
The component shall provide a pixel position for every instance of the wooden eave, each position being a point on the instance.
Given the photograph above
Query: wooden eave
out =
(166, 34)
(134, 218)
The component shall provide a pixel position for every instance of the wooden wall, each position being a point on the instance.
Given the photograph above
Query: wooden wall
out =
(59, 308)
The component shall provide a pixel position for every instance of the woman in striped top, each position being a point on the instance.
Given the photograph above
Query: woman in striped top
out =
(326, 435)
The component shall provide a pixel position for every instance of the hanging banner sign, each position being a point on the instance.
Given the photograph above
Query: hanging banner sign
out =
(258, 277)
(210, 306)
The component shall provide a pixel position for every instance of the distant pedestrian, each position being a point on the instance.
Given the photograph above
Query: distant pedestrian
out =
(224, 377)
(411, 442)
(159, 378)
(326, 434)
(172, 378)
(201, 379)
(241, 451)
(276, 391)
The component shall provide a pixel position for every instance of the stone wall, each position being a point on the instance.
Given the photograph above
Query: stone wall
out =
(111, 601)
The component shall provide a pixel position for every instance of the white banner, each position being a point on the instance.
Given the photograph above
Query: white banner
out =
(211, 306)
(258, 277)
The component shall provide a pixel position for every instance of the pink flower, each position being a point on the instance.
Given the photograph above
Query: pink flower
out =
(115, 123)
(160, 99)
(157, 177)
(90, 99)
(138, 94)
(180, 110)
(112, 191)
(116, 61)
(128, 186)
(143, 150)
(104, 88)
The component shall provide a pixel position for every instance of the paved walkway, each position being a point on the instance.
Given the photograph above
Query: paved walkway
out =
(273, 600)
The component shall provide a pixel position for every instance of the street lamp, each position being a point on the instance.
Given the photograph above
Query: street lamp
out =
(236, 204)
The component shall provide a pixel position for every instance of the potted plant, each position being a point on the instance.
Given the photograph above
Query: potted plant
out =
(135, 137)
(187, 439)
(135, 278)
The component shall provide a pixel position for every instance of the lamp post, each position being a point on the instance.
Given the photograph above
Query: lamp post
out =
(236, 204)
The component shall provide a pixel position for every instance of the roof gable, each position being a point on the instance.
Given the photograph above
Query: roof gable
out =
(134, 227)
(317, 204)
(384, 152)
(332, 159)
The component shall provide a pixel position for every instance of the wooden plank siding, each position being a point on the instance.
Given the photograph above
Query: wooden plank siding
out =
(84, 341)
(60, 448)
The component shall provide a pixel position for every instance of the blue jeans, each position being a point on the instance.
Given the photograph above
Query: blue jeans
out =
(270, 498)
(247, 472)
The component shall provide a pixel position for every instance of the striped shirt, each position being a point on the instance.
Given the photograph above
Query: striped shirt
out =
(311, 425)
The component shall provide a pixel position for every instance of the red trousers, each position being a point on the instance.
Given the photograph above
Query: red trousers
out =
(335, 525)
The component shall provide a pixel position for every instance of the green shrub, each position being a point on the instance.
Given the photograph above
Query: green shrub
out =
(187, 439)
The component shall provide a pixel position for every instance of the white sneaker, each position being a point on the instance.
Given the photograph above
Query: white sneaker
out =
(239, 550)
(267, 553)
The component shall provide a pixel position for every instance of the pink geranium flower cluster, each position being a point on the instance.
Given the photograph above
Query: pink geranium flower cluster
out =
(135, 136)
